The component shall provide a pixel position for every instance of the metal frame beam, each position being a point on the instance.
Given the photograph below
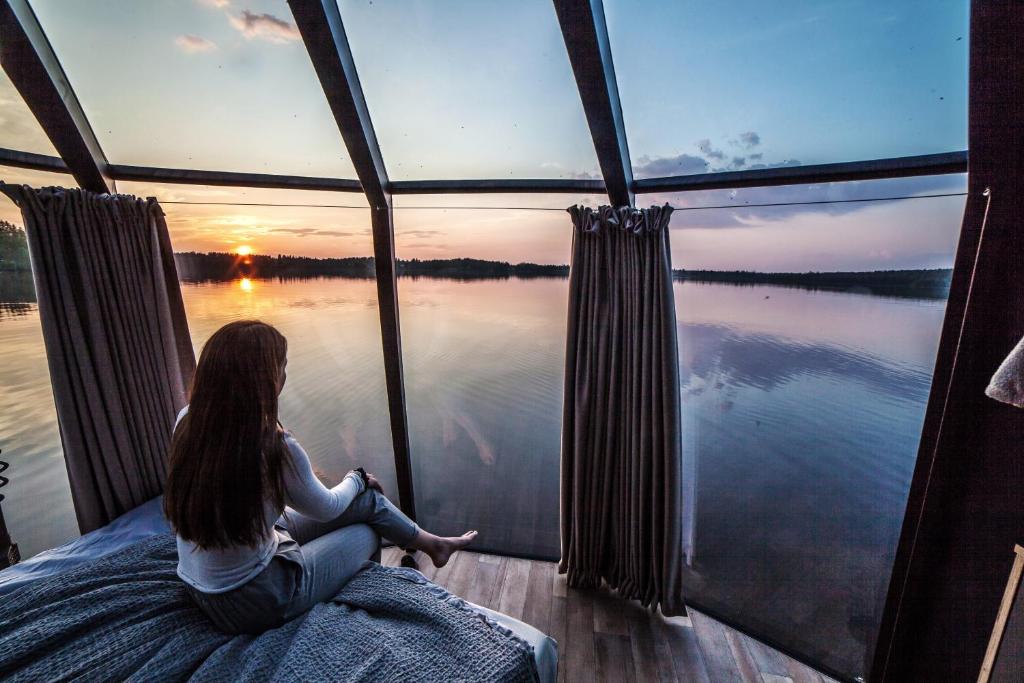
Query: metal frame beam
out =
(31, 64)
(586, 40)
(227, 178)
(568, 185)
(898, 167)
(319, 23)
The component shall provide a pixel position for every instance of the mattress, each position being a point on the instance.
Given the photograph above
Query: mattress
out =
(148, 520)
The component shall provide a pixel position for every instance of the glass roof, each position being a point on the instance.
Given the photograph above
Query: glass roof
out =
(469, 89)
(202, 85)
(18, 127)
(709, 86)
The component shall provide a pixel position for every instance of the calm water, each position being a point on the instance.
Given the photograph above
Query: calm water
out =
(801, 414)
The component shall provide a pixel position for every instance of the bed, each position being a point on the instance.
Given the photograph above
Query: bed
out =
(147, 524)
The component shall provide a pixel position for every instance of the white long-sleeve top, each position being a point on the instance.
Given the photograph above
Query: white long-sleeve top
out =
(221, 569)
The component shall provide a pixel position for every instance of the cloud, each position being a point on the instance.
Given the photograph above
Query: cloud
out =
(660, 167)
(739, 162)
(193, 44)
(710, 152)
(739, 214)
(748, 140)
(419, 234)
(315, 232)
(755, 157)
(219, 4)
(265, 27)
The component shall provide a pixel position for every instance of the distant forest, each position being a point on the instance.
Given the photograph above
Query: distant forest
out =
(13, 248)
(15, 285)
(194, 266)
(930, 283)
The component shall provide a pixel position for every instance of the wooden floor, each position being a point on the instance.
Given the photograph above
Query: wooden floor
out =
(603, 638)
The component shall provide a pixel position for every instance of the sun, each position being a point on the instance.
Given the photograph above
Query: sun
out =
(244, 250)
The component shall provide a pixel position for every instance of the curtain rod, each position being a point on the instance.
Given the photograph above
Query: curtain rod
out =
(539, 208)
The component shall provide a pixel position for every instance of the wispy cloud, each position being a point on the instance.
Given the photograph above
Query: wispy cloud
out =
(315, 232)
(219, 4)
(193, 44)
(265, 27)
(741, 214)
(419, 234)
(710, 152)
(747, 140)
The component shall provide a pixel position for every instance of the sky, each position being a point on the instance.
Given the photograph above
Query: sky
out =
(483, 89)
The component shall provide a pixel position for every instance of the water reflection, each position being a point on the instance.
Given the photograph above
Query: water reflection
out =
(798, 448)
(801, 417)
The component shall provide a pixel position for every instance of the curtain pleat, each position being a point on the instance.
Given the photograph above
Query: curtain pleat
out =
(621, 496)
(116, 337)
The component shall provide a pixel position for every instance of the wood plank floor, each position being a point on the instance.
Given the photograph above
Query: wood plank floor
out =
(603, 638)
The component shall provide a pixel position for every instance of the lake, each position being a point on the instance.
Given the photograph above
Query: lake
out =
(801, 415)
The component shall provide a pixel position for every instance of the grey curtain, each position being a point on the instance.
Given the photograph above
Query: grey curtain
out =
(621, 499)
(116, 338)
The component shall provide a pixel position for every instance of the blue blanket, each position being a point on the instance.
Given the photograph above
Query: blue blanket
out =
(126, 616)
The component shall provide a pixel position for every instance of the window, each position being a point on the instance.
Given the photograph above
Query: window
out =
(19, 129)
(711, 86)
(200, 85)
(37, 507)
(469, 89)
(334, 401)
(803, 399)
(483, 348)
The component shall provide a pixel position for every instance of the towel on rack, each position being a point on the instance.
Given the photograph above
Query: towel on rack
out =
(1007, 384)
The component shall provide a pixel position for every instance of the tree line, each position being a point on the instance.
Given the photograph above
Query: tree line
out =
(196, 266)
(13, 248)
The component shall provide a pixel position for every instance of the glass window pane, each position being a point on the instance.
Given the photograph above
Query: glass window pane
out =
(204, 85)
(470, 89)
(334, 400)
(483, 350)
(803, 404)
(19, 129)
(37, 504)
(711, 86)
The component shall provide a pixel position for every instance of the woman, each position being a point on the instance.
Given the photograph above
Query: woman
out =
(233, 469)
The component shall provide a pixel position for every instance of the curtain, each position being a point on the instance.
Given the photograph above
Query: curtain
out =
(621, 500)
(116, 338)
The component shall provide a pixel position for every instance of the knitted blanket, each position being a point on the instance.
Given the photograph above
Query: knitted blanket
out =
(127, 616)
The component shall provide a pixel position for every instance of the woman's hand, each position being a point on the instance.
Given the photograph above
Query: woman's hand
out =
(373, 483)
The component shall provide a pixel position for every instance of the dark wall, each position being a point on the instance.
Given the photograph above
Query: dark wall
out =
(966, 507)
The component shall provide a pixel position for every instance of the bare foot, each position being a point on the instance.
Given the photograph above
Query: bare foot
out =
(444, 547)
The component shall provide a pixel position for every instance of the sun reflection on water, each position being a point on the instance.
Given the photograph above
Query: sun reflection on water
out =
(245, 284)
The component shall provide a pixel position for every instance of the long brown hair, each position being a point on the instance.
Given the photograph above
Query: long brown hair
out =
(228, 452)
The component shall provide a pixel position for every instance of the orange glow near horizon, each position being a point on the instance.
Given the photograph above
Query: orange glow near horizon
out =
(245, 284)
(244, 250)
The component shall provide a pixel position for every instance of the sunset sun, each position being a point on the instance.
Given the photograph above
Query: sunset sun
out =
(244, 250)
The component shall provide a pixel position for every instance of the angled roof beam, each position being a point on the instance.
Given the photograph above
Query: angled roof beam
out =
(586, 39)
(31, 64)
(319, 23)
